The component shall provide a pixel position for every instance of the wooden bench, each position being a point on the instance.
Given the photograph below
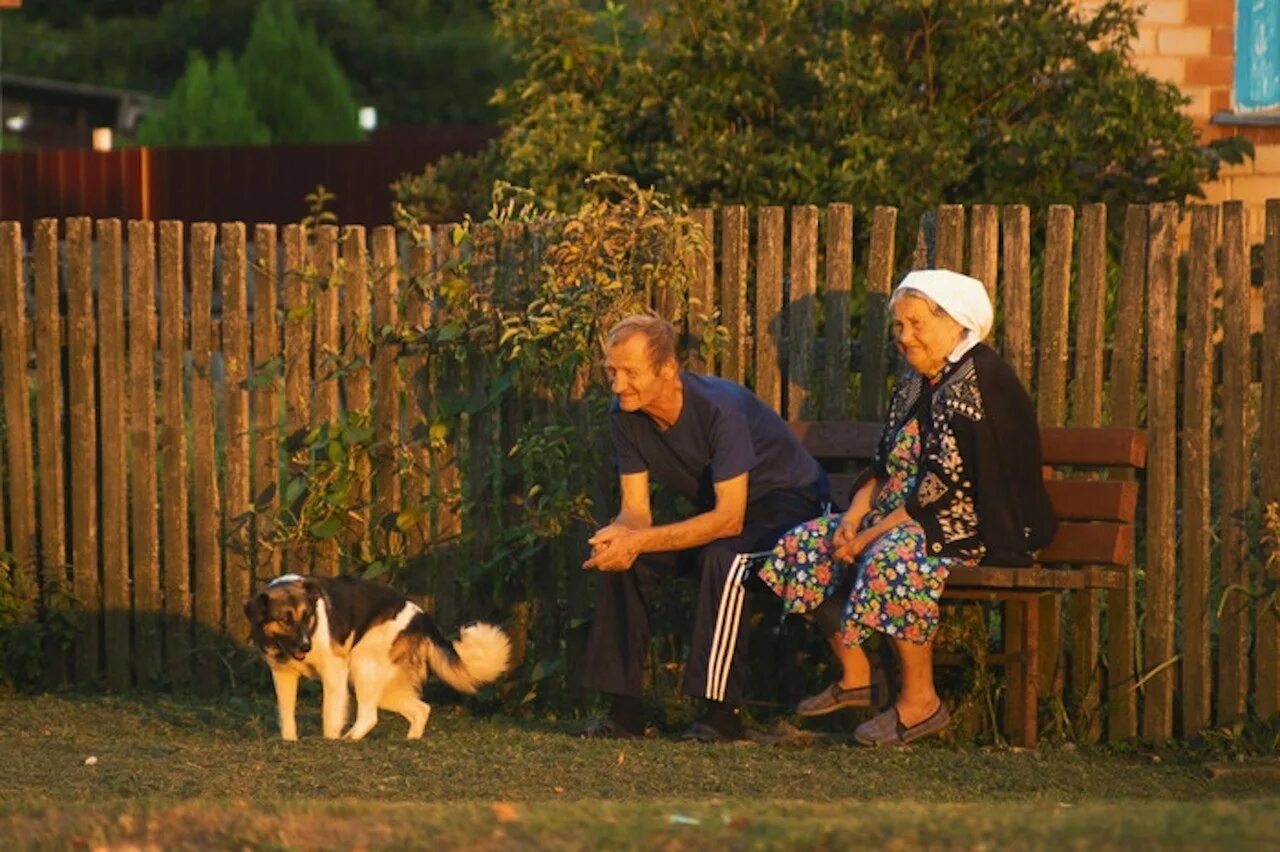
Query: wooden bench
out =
(1088, 473)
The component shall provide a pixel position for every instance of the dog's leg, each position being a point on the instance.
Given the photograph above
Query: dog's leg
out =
(336, 695)
(400, 696)
(368, 677)
(286, 683)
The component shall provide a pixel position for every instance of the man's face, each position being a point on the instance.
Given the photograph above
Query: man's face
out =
(632, 375)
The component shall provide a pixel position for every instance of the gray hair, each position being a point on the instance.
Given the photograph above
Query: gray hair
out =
(905, 292)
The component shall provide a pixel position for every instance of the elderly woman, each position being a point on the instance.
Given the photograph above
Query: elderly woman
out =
(956, 481)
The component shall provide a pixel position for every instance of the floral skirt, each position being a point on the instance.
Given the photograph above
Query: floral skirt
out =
(895, 590)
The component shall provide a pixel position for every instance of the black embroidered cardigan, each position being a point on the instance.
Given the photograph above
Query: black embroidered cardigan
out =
(979, 492)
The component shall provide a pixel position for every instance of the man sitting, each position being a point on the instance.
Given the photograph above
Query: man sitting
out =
(749, 478)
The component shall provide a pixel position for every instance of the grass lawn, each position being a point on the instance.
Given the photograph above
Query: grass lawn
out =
(184, 773)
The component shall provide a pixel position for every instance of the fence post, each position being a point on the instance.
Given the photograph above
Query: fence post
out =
(115, 482)
(733, 292)
(82, 340)
(835, 311)
(265, 402)
(1233, 625)
(356, 335)
(173, 457)
(702, 290)
(1051, 387)
(1196, 446)
(205, 503)
(298, 319)
(950, 253)
(145, 502)
(1267, 661)
(875, 320)
(17, 410)
(800, 311)
(1015, 292)
(769, 332)
(1126, 373)
(238, 500)
(1086, 410)
(386, 387)
(1162, 460)
(327, 350)
(984, 248)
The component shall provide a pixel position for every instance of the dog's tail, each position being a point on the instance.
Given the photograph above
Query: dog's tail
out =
(479, 656)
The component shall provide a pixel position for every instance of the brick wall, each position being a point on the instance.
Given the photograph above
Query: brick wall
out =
(1191, 43)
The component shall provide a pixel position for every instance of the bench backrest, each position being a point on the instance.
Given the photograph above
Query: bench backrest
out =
(1088, 473)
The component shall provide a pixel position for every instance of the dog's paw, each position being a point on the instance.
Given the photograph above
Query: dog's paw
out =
(289, 736)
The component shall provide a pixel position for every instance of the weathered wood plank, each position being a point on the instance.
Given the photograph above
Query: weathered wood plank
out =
(835, 311)
(702, 290)
(1162, 393)
(1015, 292)
(950, 254)
(14, 343)
(265, 401)
(51, 432)
(1267, 659)
(386, 383)
(175, 541)
(82, 340)
(114, 455)
(206, 506)
(984, 248)
(1051, 402)
(357, 383)
(327, 346)
(769, 332)
(1196, 448)
(1015, 346)
(1125, 378)
(238, 499)
(1233, 624)
(298, 320)
(144, 493)
(733, 292)
(1086, 410)
(875, 321)
(801, 325)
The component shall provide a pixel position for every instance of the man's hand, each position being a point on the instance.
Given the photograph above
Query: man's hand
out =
(613, 548)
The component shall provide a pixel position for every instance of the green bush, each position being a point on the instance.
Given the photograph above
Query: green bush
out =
(909, 103)
(206, 108)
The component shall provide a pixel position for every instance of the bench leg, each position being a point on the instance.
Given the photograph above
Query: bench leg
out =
(1029, 676)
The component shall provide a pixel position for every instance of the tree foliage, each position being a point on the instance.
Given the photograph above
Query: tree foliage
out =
(206, 108)
(417, 61)
(294, 81)
(908, 103)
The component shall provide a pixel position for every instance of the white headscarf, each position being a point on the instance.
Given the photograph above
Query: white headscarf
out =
(963, 298)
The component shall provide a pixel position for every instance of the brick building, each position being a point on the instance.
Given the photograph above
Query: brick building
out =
(1225, 57)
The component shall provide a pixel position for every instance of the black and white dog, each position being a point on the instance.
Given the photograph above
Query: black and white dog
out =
(344, 630)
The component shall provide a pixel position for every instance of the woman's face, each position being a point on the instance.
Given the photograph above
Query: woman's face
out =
(924, 338)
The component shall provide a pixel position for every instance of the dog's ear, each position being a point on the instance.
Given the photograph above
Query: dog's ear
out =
(314, 591)
(255, 607)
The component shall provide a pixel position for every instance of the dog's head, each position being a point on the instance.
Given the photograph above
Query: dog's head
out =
(282, 617)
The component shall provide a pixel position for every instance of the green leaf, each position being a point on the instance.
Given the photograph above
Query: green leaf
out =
(327, 528)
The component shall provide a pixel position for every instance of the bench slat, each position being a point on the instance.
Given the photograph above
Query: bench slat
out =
(1094, 500)
(1093, 446)
(1073, 499)
(968, 582)
(1089, 544)
(1078, 446)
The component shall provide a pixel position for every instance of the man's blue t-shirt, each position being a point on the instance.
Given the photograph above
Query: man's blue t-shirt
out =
(723, 430)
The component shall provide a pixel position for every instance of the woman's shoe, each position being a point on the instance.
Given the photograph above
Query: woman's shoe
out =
(834, 698)
(887, 728)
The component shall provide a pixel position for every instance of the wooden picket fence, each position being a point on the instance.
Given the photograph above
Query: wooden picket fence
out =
(150, 441)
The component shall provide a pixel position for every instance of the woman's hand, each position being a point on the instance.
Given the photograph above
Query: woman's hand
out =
(847, 532)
